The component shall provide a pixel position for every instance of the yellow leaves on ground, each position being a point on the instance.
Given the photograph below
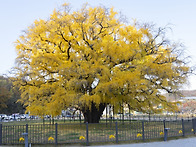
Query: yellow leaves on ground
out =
(111, 137)
(81, 138)
(161, 133)
(50, 139)
(21, 139)
(139, 135)
(180, 131)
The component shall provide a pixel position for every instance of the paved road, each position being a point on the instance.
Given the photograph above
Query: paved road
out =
(188, 142)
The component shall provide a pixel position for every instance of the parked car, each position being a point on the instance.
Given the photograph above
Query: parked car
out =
(16, 116)
(47, 116)
(10, 117)
(3, 117)
(68, 115)
(24, 116)
(34, 117)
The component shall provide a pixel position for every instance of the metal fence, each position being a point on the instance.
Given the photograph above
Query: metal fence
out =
(89, 133)
(152, 117)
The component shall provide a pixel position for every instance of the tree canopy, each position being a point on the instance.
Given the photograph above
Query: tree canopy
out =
(90, 58)
(4, 93)
(9, 97)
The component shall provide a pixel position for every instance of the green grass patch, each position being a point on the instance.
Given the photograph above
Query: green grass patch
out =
(72, 134)
(73, 137)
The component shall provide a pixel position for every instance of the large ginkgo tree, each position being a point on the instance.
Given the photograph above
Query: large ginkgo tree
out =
(90, 58)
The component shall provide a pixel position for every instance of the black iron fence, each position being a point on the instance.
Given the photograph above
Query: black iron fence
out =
(89, 133)
(150, 117)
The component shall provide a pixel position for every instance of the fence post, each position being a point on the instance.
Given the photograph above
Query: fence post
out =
(0, 134)
(116, 125)
(143, 131)
(193, 124)
(26, 128)
(87, 141)
(165, 131)
(56, 133)
(164, 124)
(27, 134)
(183, 131)
(26, 139)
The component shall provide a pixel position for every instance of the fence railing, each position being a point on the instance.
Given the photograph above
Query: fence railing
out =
(152, 117)
(91, 133)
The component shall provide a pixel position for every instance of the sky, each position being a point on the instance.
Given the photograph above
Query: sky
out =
(17, 15)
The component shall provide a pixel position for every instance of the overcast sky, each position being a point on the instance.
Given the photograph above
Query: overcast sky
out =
(17, 15)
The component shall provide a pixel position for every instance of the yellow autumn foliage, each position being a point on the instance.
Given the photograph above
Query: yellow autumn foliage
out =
(76, 58)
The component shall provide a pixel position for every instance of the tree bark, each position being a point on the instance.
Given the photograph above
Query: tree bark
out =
(93, 114)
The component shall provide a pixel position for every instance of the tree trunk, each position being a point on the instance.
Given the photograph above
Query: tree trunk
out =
(93, 115)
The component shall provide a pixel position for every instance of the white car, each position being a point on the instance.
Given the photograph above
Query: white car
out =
(3, 117)
(16, 116)
(10, 117)
(24, 116)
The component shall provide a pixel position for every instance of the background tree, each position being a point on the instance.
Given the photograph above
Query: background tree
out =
(9, 97)
(5, 93)
(89, 58)
(189, 107)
